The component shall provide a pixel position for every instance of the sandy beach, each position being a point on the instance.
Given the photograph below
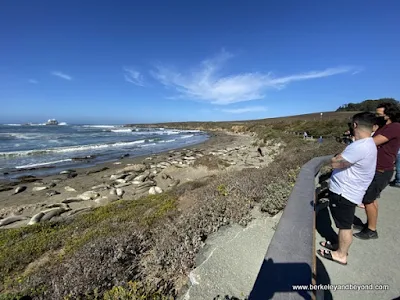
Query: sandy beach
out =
(58, 196)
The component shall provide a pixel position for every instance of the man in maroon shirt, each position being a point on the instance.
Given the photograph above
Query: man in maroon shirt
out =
(387, 139)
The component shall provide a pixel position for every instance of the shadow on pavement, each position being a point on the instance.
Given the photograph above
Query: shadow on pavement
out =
(323, 278)
(324, 226)
(358, 221)
(280, 278)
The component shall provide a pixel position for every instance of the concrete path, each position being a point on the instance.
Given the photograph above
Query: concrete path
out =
(375, 262)
(231, 260)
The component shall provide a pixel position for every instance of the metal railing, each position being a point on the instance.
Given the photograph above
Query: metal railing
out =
(290, 258)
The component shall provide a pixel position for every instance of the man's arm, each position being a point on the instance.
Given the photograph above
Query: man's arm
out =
(338, 162)
(388, 133)
(380, 139)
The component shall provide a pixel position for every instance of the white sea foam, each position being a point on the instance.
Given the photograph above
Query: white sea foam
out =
(68, 149)
(153, 132)
(21, 136)
(161, 132)
(129, 143)
(99, 126)
(167, 141)
(169, 132)
(43, 164)
(122, 130)
(186, 136)
(175, 131)
(11, 124)
(62, 124)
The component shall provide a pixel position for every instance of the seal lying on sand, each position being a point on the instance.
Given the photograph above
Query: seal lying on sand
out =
(19, 189)
(36, 218)
(45, 215)
(11, 219)
(53, 212)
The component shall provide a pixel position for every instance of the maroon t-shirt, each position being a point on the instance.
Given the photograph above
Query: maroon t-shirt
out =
(387, 152)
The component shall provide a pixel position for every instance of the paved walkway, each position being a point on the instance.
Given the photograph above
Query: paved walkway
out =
(229, 264)
(375, 262)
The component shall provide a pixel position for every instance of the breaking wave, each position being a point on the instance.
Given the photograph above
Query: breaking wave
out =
(43, 164)
(68, 149)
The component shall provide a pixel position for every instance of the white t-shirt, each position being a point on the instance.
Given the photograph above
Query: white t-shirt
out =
(353, 182)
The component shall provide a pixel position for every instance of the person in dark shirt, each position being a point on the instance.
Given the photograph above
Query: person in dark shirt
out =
(387, 140)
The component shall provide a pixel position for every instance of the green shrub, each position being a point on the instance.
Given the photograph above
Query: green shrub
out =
(222, 190)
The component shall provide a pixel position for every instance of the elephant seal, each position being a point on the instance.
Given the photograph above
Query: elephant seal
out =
(73, 199)
(11, 219)
(52, 193)
(36, 218)
(63, 205)
(67, 172)
(53, 212)
(83, 209)
(19, 189)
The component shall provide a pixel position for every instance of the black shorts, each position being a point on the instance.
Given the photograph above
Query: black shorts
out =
(378, 184)
(342, 211)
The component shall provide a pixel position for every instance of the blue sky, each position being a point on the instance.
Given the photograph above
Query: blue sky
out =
(159, 61)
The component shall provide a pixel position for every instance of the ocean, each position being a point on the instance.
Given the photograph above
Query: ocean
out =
(40, 149)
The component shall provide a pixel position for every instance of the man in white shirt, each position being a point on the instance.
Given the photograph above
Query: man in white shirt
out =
(353, 172)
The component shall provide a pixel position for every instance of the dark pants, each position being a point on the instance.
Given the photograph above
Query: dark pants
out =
(378, 184)
(342, 211)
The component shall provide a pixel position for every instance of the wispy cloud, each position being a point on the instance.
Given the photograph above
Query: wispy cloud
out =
(134, 77)
(33, 81)
(61, 75)
(208, 85)
(244, 109)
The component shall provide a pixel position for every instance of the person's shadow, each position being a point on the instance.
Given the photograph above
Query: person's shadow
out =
(323, 279)
(323, 226)
(323, 223)
(280, 278)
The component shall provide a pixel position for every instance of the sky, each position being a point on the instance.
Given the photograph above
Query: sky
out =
(119, 62)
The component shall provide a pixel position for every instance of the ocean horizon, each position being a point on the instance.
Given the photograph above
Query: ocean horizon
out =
(45, 149)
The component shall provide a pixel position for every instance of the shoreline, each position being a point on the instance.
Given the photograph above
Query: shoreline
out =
(160, 171)
(86, 162)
